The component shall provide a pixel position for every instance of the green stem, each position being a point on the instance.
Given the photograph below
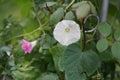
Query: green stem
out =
(69, 5)
(40, 28)
(24, 34)
(38, 19)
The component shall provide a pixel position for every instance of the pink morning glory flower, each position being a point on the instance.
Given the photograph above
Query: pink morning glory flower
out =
(28, 46)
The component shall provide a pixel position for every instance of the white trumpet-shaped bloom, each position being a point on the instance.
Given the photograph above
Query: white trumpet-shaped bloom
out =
(67, 32)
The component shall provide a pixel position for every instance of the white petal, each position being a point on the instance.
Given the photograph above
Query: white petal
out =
(67, 38)
(34, 43)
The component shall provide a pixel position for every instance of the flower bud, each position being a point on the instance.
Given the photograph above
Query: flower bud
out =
(82, 9)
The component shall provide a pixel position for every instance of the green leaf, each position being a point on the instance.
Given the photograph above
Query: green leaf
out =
(73, 69)
(89, 61)
(117, 35)
(48, 76)
(18, 75)
(57, 16)
(47, 41)
(61, 63)
(102, 45)
(57, 53)
(93, 9)
(116, 50)
(106, 56)
(11, 61)
(69, 15)
(104, 28)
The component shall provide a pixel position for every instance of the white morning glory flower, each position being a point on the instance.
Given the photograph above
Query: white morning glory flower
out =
(67, 32)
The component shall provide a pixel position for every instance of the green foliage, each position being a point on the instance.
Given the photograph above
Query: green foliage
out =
(69, 15)
(116, 50)
(117, 35)
(104, 28)
(85, 61)
(35, 20)
(93, 9)
(57, 16)
(88, 59)
(57, 53)
(47, 41)
(73, 70)
(26, 9)
(48, 76)
(102, 45)
(106, 56)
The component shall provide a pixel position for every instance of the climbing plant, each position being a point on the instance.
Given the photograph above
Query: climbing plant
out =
(59, 40)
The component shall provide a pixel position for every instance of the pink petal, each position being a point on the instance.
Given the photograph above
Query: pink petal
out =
(27, 46)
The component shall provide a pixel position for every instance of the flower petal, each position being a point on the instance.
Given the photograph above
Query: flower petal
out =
(67, 37)
(27, 46)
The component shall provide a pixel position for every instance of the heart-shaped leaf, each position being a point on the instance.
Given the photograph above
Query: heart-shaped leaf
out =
(73, 68)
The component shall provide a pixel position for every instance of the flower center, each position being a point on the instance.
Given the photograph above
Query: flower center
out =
(67, 29)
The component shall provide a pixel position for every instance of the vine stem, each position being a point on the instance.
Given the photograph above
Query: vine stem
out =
(24, 34)
(38, 20)
(88, 31)
(69, 5)
(48, 9)
(84, 37)
(39, 28)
